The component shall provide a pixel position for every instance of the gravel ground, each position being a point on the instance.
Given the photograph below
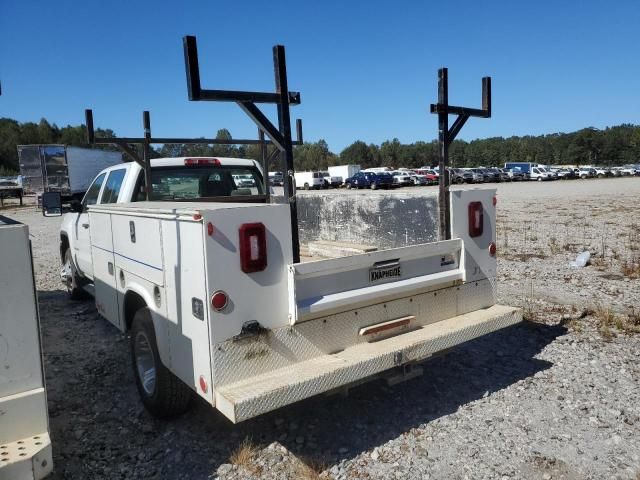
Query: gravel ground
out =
(555, 397)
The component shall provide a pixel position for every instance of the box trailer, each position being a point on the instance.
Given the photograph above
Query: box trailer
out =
(60, 168)
(25, 447)
(344, 171)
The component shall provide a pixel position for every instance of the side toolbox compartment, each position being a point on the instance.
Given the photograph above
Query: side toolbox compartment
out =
(104, 270)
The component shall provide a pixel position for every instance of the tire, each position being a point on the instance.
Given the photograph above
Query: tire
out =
(348, 186)
(162, 393)
(539, 179)
(74, 289)
(459, 180)
(306, 186)
(374, 186)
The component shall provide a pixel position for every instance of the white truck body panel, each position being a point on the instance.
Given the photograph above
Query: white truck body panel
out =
(322, 324)
(25, 446)
(344, 171)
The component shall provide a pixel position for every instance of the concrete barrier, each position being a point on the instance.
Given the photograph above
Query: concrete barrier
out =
(385, 219)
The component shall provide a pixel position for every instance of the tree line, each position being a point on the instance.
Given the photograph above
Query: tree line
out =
(616, 145)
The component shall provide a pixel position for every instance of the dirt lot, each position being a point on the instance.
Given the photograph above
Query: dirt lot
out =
(555, 397)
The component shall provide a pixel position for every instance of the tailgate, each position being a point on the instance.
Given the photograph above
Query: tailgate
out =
(326, 287)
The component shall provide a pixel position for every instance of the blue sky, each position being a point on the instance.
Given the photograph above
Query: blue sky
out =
(366, 70)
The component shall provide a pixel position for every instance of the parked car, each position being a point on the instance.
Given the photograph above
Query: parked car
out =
(564, 173)
(371, 180)
(460, 176)
(601, 172)
(417, 178)
(495, 175)
(513, 174)
(504, 175)
(276, 178)
(479, 175)
(628, 170)
(432, 175)
(244, 181)
(401, 178)
(587, 172)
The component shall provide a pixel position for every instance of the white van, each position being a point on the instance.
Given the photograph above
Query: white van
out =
(309, 180)
(540, 174)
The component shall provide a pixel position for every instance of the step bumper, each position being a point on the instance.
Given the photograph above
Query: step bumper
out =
(26, 459)
(259, 394)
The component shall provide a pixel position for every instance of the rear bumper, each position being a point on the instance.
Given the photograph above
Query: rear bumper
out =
(276, 388)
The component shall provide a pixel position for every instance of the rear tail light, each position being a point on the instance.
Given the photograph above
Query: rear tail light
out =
(476, 219)
(253, 247)
(194, 162)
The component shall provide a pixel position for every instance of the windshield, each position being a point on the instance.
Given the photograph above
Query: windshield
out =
(187, 183)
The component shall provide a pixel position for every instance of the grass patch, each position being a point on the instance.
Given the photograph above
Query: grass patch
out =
(307, 468)
(609, 321)
(244, 454)
(631, 268)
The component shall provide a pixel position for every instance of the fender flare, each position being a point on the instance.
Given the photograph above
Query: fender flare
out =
(159, 323)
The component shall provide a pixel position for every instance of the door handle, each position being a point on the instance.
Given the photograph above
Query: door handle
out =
(85, 225)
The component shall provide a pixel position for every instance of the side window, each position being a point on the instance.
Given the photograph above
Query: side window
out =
(91, 197)
(112, 187)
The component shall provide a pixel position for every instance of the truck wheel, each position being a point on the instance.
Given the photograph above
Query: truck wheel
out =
(374, 186)
(348, 186)
(162, 393)
(539, 179)
(459, 180)
(70, 277)
(306, 186)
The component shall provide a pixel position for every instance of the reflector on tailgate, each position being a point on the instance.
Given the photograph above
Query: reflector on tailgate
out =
(325, 287)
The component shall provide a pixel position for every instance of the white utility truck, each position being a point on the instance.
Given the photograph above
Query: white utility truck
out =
(25, 447)
(215, 304)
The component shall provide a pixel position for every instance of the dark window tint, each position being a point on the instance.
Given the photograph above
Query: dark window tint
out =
(112, 187)
(91, 197)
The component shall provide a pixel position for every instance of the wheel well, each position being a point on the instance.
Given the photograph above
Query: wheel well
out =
(132, 303)
(64, 244)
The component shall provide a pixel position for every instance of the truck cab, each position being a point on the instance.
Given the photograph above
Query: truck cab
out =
(173, 179)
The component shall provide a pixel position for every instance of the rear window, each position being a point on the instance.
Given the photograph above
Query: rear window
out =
(185, 183)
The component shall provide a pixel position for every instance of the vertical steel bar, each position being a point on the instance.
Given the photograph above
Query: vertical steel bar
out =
(284, 121)
(443, 152)
(265, 165)
(146, 121)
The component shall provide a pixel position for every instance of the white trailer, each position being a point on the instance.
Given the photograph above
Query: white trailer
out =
(60, 168)
(215, 304)
(25, 447)
(344, 171)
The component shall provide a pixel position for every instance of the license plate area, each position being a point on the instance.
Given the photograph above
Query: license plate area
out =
(386, 271)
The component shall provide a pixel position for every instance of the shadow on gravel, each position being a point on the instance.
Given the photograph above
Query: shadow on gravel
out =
(100, 429)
